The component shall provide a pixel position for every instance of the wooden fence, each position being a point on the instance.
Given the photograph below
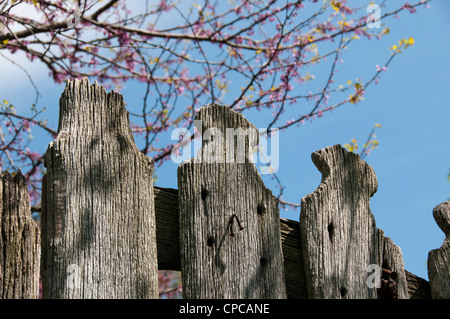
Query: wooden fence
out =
(106, 230)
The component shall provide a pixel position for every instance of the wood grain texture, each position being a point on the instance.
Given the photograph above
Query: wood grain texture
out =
(439, 259)
(212, 189)
(418, 288)
(98, 220)
(19, 241)
(167, 229)
(338, 232)
(169, 244)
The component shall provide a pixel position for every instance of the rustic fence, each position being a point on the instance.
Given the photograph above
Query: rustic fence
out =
(106, 230)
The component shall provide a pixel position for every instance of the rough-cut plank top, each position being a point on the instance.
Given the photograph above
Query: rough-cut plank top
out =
(99, 237)
(19, 241)
(229, 221)
(439, 259)
(339, 236)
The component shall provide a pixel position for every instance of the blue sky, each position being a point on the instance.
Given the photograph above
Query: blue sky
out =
(410, 102)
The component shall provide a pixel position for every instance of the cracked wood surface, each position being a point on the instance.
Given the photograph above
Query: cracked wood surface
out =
(19, 241)
(229, 221)
(338, 232)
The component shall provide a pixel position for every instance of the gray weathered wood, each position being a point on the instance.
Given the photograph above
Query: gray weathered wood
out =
(168, 238)
(214, 263)
(98, 220)
(19, 241)
(439, 259)
(339, 236)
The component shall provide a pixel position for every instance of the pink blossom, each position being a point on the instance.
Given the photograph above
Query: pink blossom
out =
(379, 69)
(180, 89)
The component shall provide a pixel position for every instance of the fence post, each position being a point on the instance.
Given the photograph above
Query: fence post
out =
(98, 219)
(229, 221)
(19, 241)
(439, 259)
(339, 238)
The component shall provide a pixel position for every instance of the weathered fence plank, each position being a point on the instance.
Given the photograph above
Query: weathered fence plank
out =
(439, 259)
(19, 241)
(229, 221)
(339, 236)
(98, 221)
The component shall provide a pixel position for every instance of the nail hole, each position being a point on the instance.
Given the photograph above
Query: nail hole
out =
(204, 193)
(330, 229)
(343, 291)
(263, 261)
(260, 210)
(210, 241)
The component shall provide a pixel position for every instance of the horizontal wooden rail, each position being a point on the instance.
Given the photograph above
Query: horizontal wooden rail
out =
(168, 243)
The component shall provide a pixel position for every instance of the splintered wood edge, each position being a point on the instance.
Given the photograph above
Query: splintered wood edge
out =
(115, 107)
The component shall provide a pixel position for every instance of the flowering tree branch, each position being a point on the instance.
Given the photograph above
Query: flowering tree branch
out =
(250, 55)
